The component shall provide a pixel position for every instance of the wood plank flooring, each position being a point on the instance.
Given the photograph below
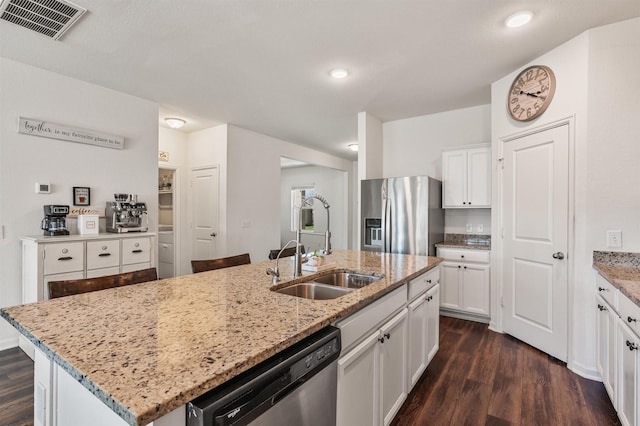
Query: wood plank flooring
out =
(478, 377)
(16, 388)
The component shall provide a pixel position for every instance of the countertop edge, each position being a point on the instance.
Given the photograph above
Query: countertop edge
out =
(621, 285)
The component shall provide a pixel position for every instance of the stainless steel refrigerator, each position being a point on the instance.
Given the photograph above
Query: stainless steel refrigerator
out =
(402, 215)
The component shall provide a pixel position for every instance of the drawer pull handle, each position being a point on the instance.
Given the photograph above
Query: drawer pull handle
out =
(631, 346)
(630, 320)
(601, 307)
(602, 289)
(65, 258)
(459, 266)
(465, 267)
(136, 251)
(104, 254)
(462, 256)
(429, 298)
(428, 281)
(387, 335)
(381, 339)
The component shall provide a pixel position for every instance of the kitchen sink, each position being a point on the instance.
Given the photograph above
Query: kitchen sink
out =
(314, 291)
(347, 279)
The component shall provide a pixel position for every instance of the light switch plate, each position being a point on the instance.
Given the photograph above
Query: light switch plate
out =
(614, 239)
(481, 228)
(469, 227)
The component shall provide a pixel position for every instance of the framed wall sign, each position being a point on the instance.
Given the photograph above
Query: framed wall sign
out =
(81, 196)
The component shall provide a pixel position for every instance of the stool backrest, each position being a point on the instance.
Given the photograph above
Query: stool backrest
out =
(223, 262)
(71, 287)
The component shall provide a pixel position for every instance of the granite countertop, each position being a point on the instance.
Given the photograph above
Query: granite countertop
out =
(466, 241)
(622, 270)
(147, 349)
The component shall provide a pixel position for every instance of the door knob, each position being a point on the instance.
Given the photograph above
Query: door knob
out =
(558, 255)
(213, 234)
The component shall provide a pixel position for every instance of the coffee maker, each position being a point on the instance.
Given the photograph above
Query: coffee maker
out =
(126, 214)
(55, 220)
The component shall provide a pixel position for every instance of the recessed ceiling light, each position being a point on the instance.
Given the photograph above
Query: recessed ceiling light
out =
(353, 147)
(174, 123)
(339, 73)
(518, 19)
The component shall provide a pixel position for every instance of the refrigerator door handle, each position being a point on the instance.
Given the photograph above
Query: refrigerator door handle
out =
(386, 226)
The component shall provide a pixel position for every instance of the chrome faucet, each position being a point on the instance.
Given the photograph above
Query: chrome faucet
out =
(275, 271)
(327, 235)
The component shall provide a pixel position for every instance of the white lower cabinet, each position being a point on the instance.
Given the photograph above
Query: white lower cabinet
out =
(386, 348)
(424, 326)
(465, 282)
(372, 376)
(618, 345)
(607, 347)
(628, 346)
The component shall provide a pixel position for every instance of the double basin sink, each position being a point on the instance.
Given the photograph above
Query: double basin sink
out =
(329, 286)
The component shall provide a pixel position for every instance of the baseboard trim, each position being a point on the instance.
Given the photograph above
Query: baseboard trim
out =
(584, 371)
(465, 316)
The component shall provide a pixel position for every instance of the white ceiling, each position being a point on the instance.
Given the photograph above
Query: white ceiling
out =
(263, 64)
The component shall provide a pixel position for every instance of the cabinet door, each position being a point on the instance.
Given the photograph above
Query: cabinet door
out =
(433, 323)
(60, 258)
(417, 349)
(103, 254)
(393, 366)
(479, 177)
(449, 285)
(628, 358)
(602, 330)
(475, 288)
(454, 178)
(358, 380)
(136, 250)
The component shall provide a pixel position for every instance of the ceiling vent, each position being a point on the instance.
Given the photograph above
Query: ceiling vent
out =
(48, 17)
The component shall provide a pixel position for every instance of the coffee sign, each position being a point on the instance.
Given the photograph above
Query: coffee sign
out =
(46, 129)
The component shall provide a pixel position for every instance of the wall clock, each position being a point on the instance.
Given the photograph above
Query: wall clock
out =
(531, 92)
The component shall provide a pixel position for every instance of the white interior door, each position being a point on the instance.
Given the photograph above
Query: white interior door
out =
(535, 239)
(204, 210)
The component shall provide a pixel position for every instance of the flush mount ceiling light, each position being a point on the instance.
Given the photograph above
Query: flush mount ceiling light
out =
(339, 73)
(353, 147)
(174, 123)
(518, 19)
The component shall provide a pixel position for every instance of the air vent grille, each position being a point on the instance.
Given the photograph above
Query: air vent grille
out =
(48, 17)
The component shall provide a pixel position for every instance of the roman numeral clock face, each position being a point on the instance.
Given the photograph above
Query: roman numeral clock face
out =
(531, 93)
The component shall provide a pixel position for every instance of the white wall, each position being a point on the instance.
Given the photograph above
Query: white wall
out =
(35, 93)
(413, 147)
(596, 77)
(253, 193)
(331, 184)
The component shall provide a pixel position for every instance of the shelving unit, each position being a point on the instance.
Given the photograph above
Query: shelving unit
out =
(166, 236)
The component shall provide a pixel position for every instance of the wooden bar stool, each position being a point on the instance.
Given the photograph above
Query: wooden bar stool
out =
(289, 251)
(223, 262)
(70, 287)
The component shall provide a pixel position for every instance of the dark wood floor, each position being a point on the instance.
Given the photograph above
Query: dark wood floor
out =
(478, 377)
(16, 388)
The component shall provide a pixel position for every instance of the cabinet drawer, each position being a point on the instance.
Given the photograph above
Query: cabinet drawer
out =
(629, 313)
(136, 250)
(423, 283)
(356, 326)
(165, 252)
(607, 291)
(103, 254)
(465, 255)
(60, 258)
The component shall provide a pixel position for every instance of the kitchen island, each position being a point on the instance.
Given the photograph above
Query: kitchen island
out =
(146, 350)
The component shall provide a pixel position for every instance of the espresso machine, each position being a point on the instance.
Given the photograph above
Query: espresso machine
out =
(55, 220)
(126, 214)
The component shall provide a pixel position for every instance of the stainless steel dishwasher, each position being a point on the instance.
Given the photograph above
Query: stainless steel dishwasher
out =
(297, 386)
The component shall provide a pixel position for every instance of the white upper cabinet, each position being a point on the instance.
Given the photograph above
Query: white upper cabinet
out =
(466, 177)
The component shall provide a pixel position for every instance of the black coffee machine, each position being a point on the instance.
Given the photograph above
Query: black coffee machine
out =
(55, 220)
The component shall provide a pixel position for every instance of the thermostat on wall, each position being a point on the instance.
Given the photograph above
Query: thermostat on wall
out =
(43, 188)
